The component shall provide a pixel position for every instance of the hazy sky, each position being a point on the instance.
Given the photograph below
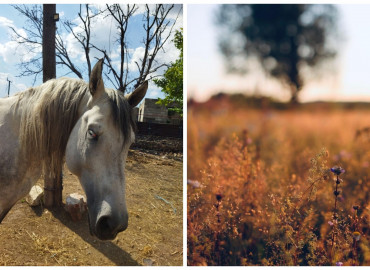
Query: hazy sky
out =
(103, 35)
(351, 81)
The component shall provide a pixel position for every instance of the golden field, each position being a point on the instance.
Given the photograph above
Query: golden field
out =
(260, 189)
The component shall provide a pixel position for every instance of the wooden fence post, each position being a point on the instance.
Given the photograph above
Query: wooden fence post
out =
(53, 188)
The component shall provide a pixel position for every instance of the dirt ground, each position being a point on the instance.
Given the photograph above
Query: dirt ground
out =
(37, 236)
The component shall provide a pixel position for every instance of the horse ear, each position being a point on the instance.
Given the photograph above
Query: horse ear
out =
(138, 94)
(96, 81)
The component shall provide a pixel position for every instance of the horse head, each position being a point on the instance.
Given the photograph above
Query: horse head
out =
(96, 152)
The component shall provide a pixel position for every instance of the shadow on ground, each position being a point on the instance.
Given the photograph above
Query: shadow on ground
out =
(110, 250)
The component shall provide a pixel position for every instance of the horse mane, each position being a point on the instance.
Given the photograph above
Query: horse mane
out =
(122, 114)
(49, 113)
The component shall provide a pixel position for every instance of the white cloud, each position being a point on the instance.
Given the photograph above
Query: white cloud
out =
(14, 53)
(11, 51)
(103, 32)
(5, 22)
(74, 49)
(135, 57)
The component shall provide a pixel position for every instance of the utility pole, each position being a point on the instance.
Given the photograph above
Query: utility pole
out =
(48, 42)
(9, 82)
(53, 182)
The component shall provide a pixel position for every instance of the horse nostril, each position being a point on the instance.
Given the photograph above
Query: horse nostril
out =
(107, 227)
(104, 228)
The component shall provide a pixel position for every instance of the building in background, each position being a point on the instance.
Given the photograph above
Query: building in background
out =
(151, 112)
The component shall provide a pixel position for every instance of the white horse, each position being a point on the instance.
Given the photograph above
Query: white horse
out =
(87, 125)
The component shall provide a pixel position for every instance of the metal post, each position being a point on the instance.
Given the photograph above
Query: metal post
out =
(53, 180)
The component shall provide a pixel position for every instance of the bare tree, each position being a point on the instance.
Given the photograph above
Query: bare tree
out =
(31, 41)
(155, 27)
(156, 24)
(83, 37)
(121, 17)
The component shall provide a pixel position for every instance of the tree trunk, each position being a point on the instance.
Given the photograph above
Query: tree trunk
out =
(294, 98)
(295, 79)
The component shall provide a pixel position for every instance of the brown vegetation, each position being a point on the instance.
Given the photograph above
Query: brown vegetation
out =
(261, 189)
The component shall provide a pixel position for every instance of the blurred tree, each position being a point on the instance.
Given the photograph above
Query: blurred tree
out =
(285, 38)
(172, 81)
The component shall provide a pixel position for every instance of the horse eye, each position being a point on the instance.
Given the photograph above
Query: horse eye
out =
(92, 134)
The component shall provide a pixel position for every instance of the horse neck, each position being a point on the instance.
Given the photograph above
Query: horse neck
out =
(47, 118)
(14, 110)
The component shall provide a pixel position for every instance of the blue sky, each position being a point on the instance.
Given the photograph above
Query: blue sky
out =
(103, 34)
(349, 82)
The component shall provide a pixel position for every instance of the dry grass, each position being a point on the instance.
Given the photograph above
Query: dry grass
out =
(271, 169)
(36, 236)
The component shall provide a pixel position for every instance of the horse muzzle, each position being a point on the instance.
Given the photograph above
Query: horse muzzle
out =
(107, 226)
